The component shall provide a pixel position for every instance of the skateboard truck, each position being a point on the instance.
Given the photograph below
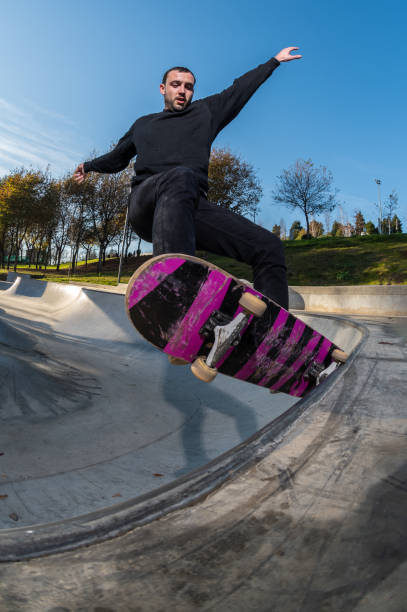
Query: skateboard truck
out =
(319, 373)
(339, 357)
(226, 334)
(216, 319)
(225, 337)
(325, 373)
(314, 370)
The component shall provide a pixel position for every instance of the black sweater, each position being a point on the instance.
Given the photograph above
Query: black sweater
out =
(168, 139)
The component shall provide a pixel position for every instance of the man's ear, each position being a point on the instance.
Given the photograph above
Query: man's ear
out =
(162, 88)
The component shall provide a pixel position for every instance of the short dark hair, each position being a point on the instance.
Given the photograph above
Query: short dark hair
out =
(179, 69)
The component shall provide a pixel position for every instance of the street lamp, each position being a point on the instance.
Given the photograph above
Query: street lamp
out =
(379, 182)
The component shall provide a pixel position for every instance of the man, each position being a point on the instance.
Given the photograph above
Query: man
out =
(168, 204)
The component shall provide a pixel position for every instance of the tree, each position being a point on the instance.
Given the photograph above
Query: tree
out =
(316, 228)
(283, 230)
(124, 240)
(40, 232)
(294, 229)
(27, 207)
(60, 238)
(79, 198)
(360, 223)
(276, 230)
(5, 192)
(233, 183)
(390, 205)
(88, 243)
(385, 225)
(327, 219)
(337, 229)
(107, 208)
(305, 187)
(396, 227)
(302, 234)
(348, 230)
(371, 228)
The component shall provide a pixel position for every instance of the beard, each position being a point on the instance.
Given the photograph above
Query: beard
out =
(175, 105)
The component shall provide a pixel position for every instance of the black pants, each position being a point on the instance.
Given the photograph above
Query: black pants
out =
(170, 210)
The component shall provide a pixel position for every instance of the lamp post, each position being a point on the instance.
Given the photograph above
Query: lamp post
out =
(119, 274)
(379, 182)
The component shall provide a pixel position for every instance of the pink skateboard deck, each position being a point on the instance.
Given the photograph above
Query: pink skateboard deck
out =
(175, 301)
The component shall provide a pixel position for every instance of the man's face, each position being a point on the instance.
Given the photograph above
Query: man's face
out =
(177, 90)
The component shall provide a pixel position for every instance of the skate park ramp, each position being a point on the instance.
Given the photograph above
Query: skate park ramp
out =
(95, 421)
(373, 300)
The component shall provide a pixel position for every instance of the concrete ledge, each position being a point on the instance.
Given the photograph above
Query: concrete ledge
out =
(378, 300)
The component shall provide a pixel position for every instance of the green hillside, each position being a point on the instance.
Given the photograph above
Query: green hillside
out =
(362, 260)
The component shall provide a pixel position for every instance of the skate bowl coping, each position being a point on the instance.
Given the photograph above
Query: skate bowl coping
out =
(375, 300)
(76, 308)
(47, 295)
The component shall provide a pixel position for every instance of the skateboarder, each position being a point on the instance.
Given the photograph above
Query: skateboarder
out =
(168, 202)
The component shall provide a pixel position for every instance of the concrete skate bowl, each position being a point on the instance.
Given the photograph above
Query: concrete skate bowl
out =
(371, 300)
(100, 434)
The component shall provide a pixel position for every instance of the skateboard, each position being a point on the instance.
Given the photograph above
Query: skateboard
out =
(199, 314)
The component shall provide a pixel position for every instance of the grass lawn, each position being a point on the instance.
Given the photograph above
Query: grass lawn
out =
(362, 260)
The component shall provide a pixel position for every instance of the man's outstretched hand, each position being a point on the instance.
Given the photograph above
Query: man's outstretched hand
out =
(285, 55)
(79, 174)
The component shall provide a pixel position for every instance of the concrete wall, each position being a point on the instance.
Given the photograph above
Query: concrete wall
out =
(386, 300)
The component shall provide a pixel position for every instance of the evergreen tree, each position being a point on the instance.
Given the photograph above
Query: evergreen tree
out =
(360, 223)
(302, 234)
(336, 229)
(371, 228)
(294, 229)
(276, 230)
(396, 227)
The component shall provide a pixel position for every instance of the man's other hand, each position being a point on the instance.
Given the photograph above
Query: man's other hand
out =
(285, 54)
(79, 174)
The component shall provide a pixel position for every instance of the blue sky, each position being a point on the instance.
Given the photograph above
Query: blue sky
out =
(74, 77)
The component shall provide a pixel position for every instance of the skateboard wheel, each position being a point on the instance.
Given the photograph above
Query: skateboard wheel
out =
(252, 304)
(340, 356)
(203, 371)
(177, 360)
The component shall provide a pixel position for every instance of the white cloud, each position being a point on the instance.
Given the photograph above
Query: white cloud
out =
(49, 113)
(31, 136)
